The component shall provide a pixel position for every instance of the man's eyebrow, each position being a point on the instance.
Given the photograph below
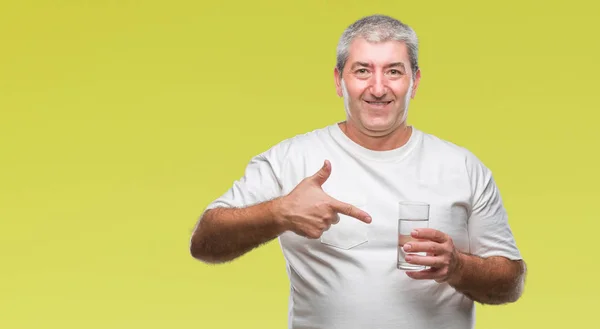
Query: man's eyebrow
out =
(363, 64)
(397, 64)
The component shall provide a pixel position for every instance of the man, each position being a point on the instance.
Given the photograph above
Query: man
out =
(330, 196)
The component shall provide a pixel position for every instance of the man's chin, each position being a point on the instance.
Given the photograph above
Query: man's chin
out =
(379, 128)
(378, 124)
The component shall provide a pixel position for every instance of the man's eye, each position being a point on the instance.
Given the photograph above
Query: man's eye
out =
(395, 72)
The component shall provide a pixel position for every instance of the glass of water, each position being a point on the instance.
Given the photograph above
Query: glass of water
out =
(412, 215)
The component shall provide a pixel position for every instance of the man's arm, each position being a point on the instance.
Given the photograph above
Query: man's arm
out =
(491, 272)
(490, 280)
(223, 234)
(242, 218)
(493, 280)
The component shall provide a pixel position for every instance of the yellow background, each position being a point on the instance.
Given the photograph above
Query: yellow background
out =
(121, 120)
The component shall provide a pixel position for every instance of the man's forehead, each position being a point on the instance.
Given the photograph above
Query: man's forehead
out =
(363, 52)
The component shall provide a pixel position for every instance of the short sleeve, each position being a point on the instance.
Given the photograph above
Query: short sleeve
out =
(489, 231)
(259, 183)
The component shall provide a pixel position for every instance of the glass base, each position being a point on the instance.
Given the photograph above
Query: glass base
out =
(410, 267)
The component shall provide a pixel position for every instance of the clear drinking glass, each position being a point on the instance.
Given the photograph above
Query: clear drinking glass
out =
(411, 215)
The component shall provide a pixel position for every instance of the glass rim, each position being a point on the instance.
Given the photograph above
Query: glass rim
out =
(413, 203)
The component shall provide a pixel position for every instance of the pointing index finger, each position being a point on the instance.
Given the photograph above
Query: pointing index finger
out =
(350, 210)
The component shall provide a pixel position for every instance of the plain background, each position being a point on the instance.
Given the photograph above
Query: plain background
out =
(121, 120)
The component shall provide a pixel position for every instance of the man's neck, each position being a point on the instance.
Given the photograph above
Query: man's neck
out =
(392, 140)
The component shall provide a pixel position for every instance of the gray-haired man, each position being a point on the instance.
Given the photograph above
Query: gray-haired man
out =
(331, 195)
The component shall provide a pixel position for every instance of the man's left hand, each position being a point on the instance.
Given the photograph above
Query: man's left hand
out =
(441, 256)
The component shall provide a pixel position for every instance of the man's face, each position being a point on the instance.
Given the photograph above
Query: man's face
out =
(377, 86)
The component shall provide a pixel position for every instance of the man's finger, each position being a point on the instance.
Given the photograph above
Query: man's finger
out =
(430, 234)
(432, 261)
(336, 219)
(431, 247)
(350, 210)
(428, 274)
(323, 174)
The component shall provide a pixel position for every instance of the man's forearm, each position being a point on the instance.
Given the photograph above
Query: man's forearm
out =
(224, 234)
(493, 280)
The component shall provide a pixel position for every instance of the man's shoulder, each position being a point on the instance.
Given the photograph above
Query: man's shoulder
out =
(447, 150)
(299, 143)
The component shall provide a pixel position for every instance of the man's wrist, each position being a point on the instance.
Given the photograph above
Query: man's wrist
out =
(455, 277)
(276, 210)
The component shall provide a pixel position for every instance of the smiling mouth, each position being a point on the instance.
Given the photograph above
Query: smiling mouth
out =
(378, 103)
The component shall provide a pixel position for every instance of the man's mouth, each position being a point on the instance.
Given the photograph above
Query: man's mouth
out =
(379, 103)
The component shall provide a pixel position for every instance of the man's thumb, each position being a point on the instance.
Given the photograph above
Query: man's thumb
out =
(323, 174)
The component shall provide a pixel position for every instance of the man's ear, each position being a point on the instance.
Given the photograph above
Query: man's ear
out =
(413, 92)
(338, 82)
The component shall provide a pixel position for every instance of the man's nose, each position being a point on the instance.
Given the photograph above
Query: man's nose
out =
(378, 87)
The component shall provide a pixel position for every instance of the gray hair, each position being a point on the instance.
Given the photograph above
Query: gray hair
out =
(379, 28)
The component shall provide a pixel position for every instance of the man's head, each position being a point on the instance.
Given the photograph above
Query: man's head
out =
(377, 73)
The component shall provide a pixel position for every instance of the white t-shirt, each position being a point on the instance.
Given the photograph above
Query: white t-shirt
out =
(348, 278)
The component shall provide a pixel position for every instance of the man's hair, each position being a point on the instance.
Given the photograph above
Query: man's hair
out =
(379, 28)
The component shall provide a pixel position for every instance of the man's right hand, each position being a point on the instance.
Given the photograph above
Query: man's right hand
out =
(308, 211)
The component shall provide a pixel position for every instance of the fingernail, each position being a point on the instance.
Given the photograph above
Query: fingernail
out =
(408, 258)
(406, 247)
(415, 233)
